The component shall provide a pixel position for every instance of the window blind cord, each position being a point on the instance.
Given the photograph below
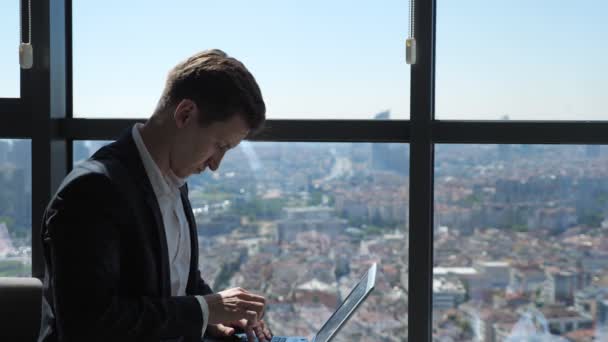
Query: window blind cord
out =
(26, 51)
(410, 42)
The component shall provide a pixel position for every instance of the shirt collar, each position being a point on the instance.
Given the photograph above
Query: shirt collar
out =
(162, 184)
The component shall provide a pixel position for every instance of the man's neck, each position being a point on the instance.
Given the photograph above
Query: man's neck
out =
(155, 138)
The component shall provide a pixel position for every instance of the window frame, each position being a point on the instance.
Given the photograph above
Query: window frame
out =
(44, 115)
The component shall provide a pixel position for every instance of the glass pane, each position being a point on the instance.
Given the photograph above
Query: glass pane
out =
(300, 223)
(83, 149)
(9, 49)
(522, 60)
(15, 208)
(313, 59)
(521, 243)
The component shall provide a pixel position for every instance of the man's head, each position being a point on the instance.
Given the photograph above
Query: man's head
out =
(211, 102)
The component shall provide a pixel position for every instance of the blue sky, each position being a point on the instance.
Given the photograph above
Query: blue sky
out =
(341, 59)
(9, 42)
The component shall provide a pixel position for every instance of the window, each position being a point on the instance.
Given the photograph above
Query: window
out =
(9, 43)
(522, 60)
(519, 231)
(538, 60)
(312, 60)
(585, 325)
(84, 149)
(15, 208)
(300, 223)
(555, 328)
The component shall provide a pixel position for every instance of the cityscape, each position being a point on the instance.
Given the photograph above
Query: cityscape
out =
(15, 208)
(521, 250)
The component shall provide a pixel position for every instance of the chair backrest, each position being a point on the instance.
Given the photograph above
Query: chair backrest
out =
(20, 300)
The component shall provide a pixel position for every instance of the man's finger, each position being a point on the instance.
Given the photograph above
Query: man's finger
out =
(224, 330)
(260, 333)
(268, 333)
(250, 334)
(244, 305)
(252, 322)
(241, 323)
(252, 318)
(265, 330)
(251, 297)
(233, 292)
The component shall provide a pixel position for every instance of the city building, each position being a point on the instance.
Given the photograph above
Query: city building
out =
(562, 320)
(560, 286)
(494, 274)
(316, 292)
(527, 279)
(302, 219)
(447, 293)
(587, 300)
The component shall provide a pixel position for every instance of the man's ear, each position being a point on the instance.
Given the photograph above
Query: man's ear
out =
(185, 111)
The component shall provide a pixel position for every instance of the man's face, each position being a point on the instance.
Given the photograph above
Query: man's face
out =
(196, 147)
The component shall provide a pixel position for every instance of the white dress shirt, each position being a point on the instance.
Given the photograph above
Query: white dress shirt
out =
(177, 231)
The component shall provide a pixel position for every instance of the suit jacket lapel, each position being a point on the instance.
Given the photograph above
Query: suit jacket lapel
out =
(193, 238)
(152, 203)
(126, 150)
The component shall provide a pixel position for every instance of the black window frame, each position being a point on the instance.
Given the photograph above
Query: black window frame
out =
(44, 115)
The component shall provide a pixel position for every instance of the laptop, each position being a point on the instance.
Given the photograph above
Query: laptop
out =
(335, 322)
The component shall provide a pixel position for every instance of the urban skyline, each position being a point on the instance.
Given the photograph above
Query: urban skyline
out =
(518, 228)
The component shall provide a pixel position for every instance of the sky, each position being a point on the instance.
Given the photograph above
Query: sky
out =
(525, 59)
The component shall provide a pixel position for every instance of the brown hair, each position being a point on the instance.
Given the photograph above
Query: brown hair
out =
(220, 86)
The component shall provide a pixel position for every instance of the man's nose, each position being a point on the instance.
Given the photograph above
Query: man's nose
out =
(216, 161)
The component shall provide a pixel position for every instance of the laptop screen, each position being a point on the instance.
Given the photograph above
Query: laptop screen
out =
(354, 298)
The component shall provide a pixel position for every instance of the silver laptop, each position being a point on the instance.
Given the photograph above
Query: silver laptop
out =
(335, 322)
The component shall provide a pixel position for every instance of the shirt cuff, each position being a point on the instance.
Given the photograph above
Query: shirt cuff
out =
(205, 310)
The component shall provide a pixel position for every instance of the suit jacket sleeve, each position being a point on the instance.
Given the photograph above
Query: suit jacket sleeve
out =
(84, 245)
(203, 288)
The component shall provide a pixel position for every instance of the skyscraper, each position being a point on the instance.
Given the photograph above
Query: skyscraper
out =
(21, 181)
(21, 157)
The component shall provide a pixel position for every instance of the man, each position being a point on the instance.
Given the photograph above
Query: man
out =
(119, 236)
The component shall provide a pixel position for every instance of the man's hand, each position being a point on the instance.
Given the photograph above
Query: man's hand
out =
(261, 331)
(219, 330)
(236, 306)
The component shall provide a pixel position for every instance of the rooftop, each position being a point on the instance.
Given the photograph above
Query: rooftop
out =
(493, 263)
(441, 284)
(316, 285)
(454, 270)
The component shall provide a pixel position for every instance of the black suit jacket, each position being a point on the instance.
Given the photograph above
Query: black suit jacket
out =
(107, 267)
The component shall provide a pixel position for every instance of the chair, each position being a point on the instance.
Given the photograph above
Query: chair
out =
(20, 300)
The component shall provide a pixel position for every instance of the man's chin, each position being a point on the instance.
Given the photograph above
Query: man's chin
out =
(182, 175)
(199, 171)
